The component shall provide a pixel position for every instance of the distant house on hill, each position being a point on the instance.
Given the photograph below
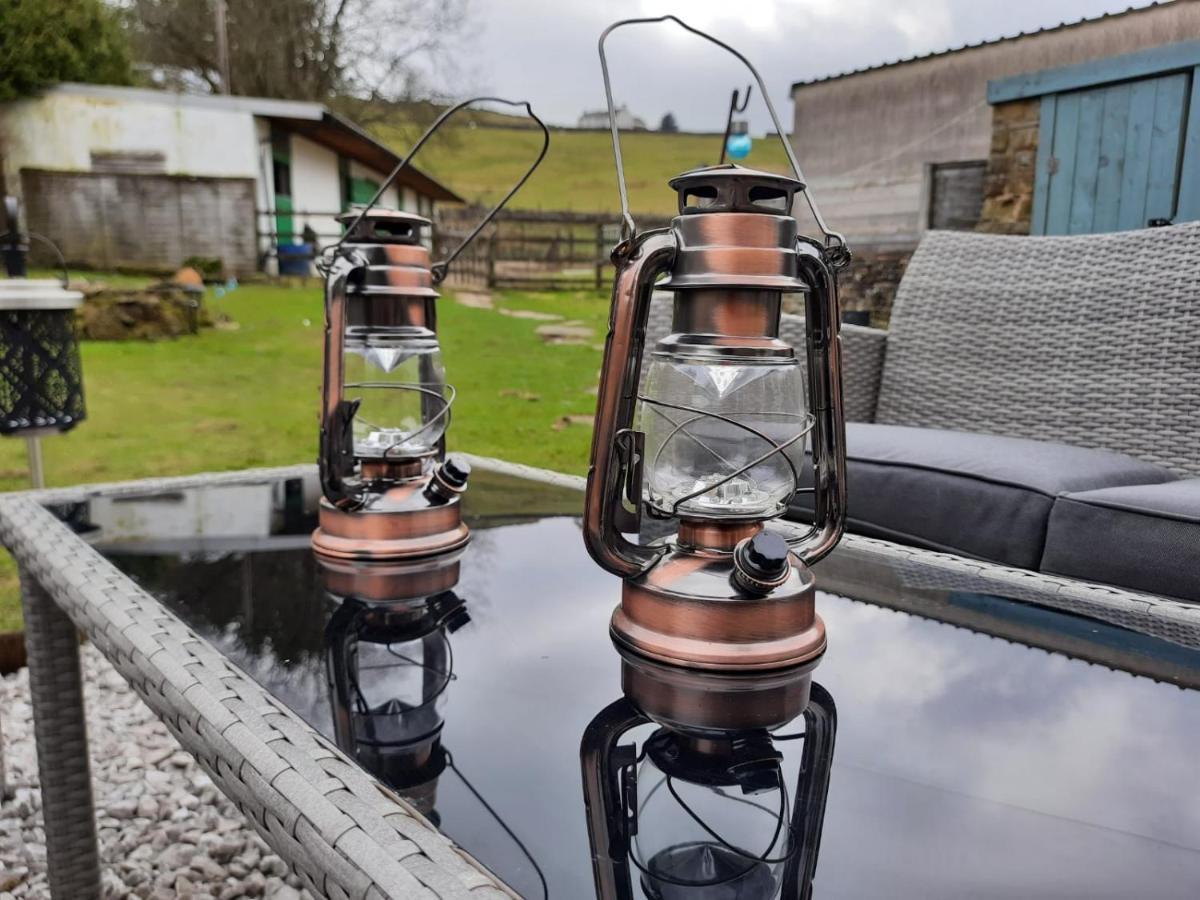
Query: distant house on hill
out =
(626, 120)
(1080, 127)
(132, 178)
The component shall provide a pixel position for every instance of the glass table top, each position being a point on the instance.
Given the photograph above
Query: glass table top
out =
(984, 747)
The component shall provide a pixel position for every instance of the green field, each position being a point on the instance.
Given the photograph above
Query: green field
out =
(480, 164)
(228, 399)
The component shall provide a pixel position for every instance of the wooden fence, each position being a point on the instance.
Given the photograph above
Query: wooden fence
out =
(530, 250)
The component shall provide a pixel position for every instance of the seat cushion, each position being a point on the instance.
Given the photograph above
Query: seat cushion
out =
(977, 495)
(1144, 537)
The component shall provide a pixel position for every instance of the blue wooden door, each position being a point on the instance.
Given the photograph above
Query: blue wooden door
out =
(1110, 156)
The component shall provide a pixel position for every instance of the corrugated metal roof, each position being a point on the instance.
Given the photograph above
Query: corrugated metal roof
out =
(1000, 40)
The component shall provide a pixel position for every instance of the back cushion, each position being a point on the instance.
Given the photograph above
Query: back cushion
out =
(1091, 340)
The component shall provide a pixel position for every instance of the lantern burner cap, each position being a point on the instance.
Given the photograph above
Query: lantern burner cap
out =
(733, 188)
(384, 226)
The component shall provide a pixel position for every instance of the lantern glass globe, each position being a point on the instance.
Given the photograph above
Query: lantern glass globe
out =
(706, 421)
(401, 386)
(683, 859)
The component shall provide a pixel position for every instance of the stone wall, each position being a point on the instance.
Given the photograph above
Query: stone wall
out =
(869, 283)
(1012, 168)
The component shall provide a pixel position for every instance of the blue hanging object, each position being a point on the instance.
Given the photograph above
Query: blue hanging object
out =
(737, 146)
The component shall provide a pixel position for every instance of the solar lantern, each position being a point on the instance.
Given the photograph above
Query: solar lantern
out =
(714, 436)
(41, 379)
(389, 490)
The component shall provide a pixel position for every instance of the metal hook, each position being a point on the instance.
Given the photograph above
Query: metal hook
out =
(439, 269)
(834, 241)
(734, 107)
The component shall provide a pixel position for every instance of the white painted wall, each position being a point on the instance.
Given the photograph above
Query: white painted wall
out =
(61, 131)
(316, 188)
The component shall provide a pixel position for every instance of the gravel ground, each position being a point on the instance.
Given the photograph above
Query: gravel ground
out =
(165, 830)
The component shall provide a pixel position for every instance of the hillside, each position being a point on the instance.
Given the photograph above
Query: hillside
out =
(480, 163)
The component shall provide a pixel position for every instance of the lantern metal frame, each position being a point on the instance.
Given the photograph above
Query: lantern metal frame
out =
(393, 505)
(728, 260)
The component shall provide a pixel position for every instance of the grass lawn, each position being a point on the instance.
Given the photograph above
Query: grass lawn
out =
(228, 399)
(577, 174)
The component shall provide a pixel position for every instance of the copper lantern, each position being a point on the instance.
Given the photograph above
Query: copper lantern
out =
(713, 437)
(389, 491)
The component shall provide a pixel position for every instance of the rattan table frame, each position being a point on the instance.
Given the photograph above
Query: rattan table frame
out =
(342, 832)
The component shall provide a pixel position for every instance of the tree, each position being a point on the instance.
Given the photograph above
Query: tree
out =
(45, 41)
(321, 50)
(668, 123)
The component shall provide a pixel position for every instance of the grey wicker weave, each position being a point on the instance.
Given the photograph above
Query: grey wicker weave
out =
(343, 833)
(1090, 340)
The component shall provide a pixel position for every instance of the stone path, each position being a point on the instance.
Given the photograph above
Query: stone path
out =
(165, 830)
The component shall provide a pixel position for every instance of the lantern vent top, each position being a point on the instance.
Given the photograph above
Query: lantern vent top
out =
(384, 226)
(734, 188)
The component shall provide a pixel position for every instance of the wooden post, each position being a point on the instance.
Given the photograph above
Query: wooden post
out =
(599, 255)
(491, 262)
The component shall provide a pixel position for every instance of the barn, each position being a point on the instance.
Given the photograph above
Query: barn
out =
(128, 178)
(1086, 126)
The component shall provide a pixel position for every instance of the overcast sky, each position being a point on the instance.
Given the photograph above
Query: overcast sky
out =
(545, 50)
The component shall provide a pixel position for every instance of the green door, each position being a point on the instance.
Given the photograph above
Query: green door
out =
(281, 171)
(1110, 156)
(362, 190)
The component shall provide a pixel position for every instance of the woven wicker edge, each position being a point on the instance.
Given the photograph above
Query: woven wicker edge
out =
(342, 832)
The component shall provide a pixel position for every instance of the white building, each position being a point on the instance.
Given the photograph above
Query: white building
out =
(626, 120)
(126, 177)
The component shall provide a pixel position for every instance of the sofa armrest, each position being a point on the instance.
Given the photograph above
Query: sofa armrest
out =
(863, 351)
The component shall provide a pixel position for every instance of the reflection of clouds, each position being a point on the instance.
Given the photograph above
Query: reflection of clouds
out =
(1005, 737)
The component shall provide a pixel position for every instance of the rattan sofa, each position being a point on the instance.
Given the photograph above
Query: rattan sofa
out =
(1035, 402)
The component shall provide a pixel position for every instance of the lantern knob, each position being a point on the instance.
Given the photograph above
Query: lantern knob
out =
(449, 479)
(761, 563)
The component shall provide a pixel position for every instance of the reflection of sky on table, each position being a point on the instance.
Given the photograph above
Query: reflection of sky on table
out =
(966, 766)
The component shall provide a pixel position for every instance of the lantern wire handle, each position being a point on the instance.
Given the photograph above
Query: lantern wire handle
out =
(734, 108)
(835, 243)
(439, 269)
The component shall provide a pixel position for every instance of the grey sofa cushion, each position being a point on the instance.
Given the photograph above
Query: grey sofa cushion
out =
(1144, 537)
(977, 495)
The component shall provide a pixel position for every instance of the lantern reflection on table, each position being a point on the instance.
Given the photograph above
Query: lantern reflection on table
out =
(389, 664)
(701, 810)
(390, 493)
(714, 437)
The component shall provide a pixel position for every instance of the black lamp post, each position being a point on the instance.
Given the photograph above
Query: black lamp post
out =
(41, 379)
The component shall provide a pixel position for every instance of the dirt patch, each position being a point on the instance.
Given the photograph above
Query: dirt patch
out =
(571, 332)
(152, 313)
(475, 299)
(531, 314)
(563, 422)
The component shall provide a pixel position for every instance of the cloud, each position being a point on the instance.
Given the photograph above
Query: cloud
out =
(545, 50)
